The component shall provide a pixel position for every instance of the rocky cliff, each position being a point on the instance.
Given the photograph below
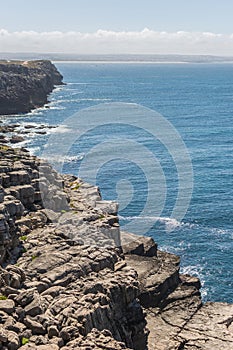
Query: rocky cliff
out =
(26, 85)
(69, 279)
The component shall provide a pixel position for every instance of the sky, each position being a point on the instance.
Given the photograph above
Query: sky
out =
(117, 26)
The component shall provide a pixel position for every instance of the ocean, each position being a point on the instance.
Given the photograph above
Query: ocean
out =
(197, 101)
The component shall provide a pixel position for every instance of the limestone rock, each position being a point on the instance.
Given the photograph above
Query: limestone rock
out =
(7, 306)
(70, 280)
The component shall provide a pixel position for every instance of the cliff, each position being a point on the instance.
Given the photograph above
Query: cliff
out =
(26, 85)
(71, 280)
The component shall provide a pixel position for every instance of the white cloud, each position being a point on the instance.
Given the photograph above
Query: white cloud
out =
(109, 42)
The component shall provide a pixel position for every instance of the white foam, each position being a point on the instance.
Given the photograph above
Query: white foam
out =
(192, 270)
(196, 270)
(67, 159)
(82, 83)
(56, 108)
(34, 150)
(70, 100)
(61, 129)
(58, 88)
(170, 223)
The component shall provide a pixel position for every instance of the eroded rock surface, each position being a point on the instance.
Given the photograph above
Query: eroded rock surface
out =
(68, 280)
(175, 314)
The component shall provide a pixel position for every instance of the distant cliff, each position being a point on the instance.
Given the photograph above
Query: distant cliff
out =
(25, 85)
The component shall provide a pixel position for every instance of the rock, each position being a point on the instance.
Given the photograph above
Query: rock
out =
(39, 347)
(16, 139)
(96, 340)
(53, 332)
(25, 297)
(48, 347)
(68, 333)
(16, 327)
(24, 87)
(57, 341)
(210, 328)
(3, 138)
(34, 308)
(3, 336)
(138, 245)
(158, 276)
(10, 339)
(53, 291)
(40, 286)
(35, 326)
(7, 306)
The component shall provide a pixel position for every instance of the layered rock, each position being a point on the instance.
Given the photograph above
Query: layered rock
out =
(26, 85)
(176, 316)
(70, 280)
(70, 277)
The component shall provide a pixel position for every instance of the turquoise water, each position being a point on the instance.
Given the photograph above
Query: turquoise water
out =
(198, 101)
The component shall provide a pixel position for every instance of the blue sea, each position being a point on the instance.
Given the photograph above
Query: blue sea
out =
(197, 101)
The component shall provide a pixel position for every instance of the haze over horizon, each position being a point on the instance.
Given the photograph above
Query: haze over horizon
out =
(122, 27)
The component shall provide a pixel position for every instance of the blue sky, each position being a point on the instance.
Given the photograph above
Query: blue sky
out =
(18, 19)
(91, 15)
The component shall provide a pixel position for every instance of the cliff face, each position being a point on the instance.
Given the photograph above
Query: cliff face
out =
(70, 280)
(26, 85)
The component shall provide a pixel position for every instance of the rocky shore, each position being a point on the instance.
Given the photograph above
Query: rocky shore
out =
(69, 279)
(25, 85)
(16, 133)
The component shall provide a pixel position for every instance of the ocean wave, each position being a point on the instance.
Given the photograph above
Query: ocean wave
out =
(70, 100)
(193, 270)
(5, 117)
(170, 223)
(58, 88)
(34, 112)
(67, 159)
(83, 83)
(61, 129)
(76, 92)
(34, 150)
(56, 108)
(197, 271)
(47, 107)
(95, 99)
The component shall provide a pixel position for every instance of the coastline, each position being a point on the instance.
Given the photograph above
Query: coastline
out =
(120, 62)
(142, 62)
(70, 278)
(25, 85)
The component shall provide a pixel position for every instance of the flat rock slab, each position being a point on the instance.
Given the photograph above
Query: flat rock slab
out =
(157, 276)
(188, 326)
(210, 328)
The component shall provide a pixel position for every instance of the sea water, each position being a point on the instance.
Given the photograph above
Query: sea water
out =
(197, 99)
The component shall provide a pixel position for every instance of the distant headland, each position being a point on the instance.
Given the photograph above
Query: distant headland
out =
(25, 85)
(127, 58)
